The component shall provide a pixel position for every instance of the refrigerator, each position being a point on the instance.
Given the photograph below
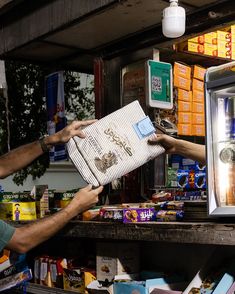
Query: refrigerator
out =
(220, 139)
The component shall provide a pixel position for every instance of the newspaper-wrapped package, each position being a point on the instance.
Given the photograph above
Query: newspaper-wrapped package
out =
(114, 145)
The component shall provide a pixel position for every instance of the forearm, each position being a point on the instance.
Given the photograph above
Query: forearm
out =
(19, 158)
(191, 150)
(29, 236)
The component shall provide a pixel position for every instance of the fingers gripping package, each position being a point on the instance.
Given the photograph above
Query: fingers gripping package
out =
(114, 145)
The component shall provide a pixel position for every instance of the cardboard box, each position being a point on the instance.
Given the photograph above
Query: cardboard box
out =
(210, 49)
(116, 259)
(184, 95)
(184, 117)
(194, 47)
(184, 106)
(18, 211)
(198, 130)
(232, 33)
(198, 96)
(198, 118)
(198, 85)
(198, 107)
(199, 39)
(182, 83)
(199, 72)
(182, 70)
(40, 193)
(224, 36)
(211, 38)
(184, 129)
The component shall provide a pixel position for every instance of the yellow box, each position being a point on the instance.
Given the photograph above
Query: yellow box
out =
(190, 46)
(184, 106)
(223, 36)
(184, 95)
(184, 117)
(198, 119)
(198, 96)
(198, 130)
(210, 49)
(199, 39)
(211, 38)
(199, 72)
(233, 33)
(198, 85)
(184, 129)
(233, 55)
(197, 107)
(18, 211)
(195, 47)
(182, 70)
(224, 45)
(182, 83)
(224, 54)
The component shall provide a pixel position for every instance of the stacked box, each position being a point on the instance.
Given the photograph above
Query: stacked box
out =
(198, 120)
(190, 106)
(182, 81)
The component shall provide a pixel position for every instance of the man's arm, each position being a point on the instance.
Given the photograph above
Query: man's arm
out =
(176, 146)
(29, 236)
(22, 156)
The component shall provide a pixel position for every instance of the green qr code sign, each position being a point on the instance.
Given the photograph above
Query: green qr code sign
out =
(160, 87)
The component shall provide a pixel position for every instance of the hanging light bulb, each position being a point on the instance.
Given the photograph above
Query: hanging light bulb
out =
(173, 21)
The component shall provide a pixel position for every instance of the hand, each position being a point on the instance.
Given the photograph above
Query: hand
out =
(84, 199)
(74, 129)
(166, 141)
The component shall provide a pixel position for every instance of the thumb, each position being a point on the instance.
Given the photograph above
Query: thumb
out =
(99, 189)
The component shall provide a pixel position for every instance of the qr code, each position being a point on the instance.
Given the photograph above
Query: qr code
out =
(156, 84)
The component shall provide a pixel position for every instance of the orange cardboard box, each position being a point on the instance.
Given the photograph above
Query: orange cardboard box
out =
(184, 95)
(182, 70)
(198, 130)
(199, 72)
(182, 83)
(198, 119)
(184, 106)
(184, 117)
(184, 129)
(198, 96)
(198, 85)
(197, 107)
(211, 38)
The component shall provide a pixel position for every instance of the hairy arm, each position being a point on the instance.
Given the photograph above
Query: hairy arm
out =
(22, 156)
(176, 146)
(29, 236)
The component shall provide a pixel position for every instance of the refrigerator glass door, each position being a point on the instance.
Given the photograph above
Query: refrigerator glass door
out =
(220, 141)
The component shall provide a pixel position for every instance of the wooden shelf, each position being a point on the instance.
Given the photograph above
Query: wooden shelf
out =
(39, 289)
(174, 232)
(170, 55)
